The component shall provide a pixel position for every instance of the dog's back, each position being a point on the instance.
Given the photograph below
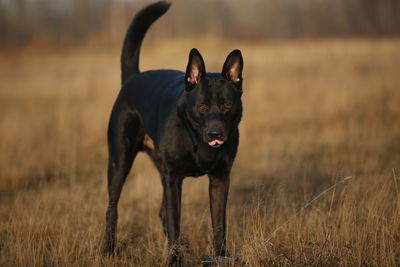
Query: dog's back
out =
(154, 94)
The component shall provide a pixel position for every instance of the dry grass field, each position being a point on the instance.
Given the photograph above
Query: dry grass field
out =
(316, 181)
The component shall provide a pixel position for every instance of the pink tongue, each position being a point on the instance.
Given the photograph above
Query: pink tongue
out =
(215, 142)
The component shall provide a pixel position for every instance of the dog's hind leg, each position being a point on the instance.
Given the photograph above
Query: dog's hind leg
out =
(125, 139)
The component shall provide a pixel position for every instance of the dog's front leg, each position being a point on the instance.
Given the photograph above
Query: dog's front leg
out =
(173, 192)
(218, 190)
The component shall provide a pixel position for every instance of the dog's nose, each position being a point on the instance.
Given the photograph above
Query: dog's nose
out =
(214, 134)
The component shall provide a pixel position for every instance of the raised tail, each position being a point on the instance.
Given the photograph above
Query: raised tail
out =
(134, 37)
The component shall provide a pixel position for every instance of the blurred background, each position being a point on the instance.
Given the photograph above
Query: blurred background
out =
(316, 179)
(70, 22)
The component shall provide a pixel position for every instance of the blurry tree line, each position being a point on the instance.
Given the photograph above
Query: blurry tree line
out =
(73, 21)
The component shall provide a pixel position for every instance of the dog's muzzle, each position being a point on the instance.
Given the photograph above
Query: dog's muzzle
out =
(215, 137)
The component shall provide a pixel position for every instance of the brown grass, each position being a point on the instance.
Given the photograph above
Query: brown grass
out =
(316, 112)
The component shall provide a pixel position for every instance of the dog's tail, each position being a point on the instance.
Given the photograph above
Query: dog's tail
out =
(134, 37)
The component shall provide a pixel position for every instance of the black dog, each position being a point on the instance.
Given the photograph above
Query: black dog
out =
(186, 122)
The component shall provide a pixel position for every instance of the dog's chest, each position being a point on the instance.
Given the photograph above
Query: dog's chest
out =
(206, 160)
(193, 163)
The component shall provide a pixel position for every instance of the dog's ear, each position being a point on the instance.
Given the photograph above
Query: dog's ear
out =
(195, 70)
(233, 67)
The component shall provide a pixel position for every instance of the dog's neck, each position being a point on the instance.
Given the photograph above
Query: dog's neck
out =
(189, 128)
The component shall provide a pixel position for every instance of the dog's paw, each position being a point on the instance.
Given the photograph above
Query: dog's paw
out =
(175, 258)
(222, 261)
(174, 261)
(108, 249)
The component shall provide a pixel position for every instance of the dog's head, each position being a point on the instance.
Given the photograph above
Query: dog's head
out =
(213, 106)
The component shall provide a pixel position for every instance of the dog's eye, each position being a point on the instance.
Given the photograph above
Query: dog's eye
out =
(227, 105)
(202, 107)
